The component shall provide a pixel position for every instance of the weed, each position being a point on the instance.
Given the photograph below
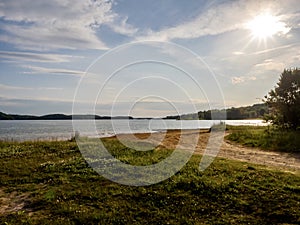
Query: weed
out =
(62, 189)
(266, 138)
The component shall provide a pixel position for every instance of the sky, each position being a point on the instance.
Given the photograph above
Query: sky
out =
(143, 58)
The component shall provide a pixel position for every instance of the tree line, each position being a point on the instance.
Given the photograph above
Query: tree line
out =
(280, 107)
(256, 111)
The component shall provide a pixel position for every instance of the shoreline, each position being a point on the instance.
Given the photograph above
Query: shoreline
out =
(63, 130)
(229, 150)
(71, 136)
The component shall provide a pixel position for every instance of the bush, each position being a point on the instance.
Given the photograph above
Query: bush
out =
(269, 138)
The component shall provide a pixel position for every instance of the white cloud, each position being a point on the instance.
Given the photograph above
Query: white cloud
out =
(268, 69)
(224, 17)
(35, 57)
(270, 50)
(122, 27)
(55, 24)
(242, 79)
(13, 88)
(73, 24)
(18, 88)
(237, 80)
(41, 70)
(216, 20)
(270, 64)
(47, 37)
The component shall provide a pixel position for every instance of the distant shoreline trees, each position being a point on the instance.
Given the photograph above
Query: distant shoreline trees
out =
(240, 113)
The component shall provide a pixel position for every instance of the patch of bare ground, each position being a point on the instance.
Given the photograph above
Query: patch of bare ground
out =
(12, 202)
(184, 139)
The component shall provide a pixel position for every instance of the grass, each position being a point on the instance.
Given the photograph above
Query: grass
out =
(265, 138)
(54, 185)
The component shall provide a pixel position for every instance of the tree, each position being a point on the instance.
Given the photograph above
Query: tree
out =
(284, 100)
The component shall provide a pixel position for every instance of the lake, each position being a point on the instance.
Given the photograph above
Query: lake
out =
(21, 130)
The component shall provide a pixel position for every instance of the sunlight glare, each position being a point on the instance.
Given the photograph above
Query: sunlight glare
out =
(265, 25)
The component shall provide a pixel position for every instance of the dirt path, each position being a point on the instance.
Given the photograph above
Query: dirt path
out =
(185, 140)
(286, 161)
(11, 202)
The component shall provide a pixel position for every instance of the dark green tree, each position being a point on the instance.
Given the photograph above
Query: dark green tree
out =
(284, 100)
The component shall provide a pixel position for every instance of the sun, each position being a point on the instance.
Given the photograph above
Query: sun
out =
(265, 26)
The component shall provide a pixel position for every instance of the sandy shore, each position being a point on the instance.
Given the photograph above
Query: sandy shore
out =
(198, 139)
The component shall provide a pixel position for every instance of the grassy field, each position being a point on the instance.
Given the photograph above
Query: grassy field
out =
(266, 138)
(50, 183)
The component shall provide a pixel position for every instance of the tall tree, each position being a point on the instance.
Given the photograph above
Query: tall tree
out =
(284, 100)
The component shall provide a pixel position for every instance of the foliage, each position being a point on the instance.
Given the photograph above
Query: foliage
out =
(4, 116)
(268, 138)
(247, 112)
(284, 100)
(54, 185)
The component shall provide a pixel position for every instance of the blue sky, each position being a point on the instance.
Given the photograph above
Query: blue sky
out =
(49, 48)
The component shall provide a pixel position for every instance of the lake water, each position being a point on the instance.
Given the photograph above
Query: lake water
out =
(21, 130)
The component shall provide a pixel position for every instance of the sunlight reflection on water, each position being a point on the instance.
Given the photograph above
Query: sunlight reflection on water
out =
(20, 130)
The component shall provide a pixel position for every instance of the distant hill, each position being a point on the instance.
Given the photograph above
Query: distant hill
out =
(247, 112)
(4, 116)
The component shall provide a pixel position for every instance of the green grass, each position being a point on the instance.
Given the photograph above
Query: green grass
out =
(56, 186)
(133, 157)
(265, 138)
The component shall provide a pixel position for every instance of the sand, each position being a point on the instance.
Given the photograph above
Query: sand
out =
(196, 140)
